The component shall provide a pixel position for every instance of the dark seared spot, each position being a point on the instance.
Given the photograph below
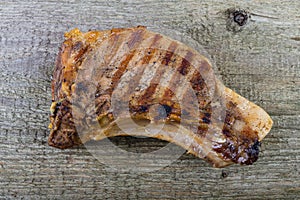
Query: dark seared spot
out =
(102, 105)
(207, 115)
(143, 108)
(252, 152)
(168, 109)
(169, 53)
(228, 119)
(231, 105)
(168, 94)
(139, 109)
(184, 67)
(239, 150)
(167, 58)
(206, 120)
(226, 132)
(197, 81)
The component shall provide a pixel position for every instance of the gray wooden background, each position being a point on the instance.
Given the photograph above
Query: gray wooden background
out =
(261, 61)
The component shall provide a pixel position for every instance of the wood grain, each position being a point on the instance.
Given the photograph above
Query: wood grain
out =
(261, 62)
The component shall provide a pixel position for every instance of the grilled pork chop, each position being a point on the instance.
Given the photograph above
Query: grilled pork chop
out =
(122, 81)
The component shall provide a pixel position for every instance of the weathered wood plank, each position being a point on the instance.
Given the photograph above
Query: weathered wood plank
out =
(261, 62)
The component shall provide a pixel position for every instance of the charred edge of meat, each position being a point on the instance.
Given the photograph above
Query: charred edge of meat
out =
(243, 147)
(67, 136)
(253, 153)
(62, 114)
(244, 152)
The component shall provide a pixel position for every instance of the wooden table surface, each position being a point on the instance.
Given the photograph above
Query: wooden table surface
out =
(260, 60)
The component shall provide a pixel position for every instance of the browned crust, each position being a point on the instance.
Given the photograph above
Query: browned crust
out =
(73, 51)
(240, 146)
(63, 133)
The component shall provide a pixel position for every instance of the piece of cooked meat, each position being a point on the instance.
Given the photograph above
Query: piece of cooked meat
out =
(105, 80)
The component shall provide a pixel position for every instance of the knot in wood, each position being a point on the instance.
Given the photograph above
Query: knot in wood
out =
(240, 17)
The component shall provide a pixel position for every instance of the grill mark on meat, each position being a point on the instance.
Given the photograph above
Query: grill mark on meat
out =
(180, 86)
(115, 46)
(191, 70)
(205, 121)
(137, 78)
(198, 83)
(178, 76)
(125, 64)
(136, 37)
(151, 90)
(91, 75)
(112, 62)
(207, 116)
(148, 55)
(121, 69)
(169, 53)
(156, 40)
(81, 52)
(102, 95)
(185, 66)
(151, 51)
